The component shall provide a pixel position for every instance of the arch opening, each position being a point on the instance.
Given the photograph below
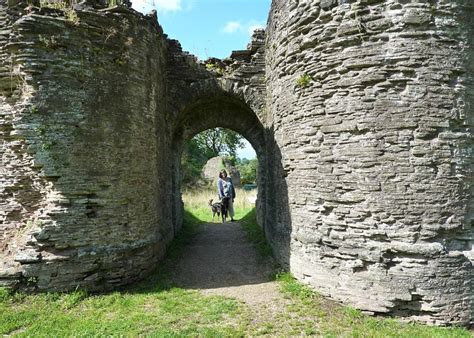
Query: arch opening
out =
(222, 111)
(203, 159)
(220, 254)
(215, 149)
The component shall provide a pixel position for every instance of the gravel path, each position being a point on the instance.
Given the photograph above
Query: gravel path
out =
(221, 261)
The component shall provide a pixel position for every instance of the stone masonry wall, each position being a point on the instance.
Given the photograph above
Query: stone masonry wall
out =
(227, 93)
(360, 113)
(83, 149)
(95, 104)
(372, 110)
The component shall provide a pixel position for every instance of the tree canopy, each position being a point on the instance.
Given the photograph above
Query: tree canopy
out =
(218, 141)
(206, 145)
(248, 170)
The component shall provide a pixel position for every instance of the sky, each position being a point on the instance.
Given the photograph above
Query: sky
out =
(210, 28)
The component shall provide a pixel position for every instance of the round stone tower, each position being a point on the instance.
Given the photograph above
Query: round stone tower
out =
(371, 107)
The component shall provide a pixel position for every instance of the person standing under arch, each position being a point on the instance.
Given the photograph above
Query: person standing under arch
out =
(225, 189)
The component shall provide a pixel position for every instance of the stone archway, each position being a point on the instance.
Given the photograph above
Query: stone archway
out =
(93, 158)
(221, 108)
(368, 161)
(226, 111)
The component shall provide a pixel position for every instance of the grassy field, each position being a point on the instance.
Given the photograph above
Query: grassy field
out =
(157, 309)
(197, 201)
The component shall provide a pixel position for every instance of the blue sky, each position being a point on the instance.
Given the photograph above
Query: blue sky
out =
(210, 28)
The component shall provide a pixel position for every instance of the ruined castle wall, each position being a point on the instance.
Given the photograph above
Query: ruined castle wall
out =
(5, 118)
(372, 110)
(228, 93)
(364, 141)
(96, 105)
(84, 148)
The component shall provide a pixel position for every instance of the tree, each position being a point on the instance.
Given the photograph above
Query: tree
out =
(248, 170)
(192, 162)
(219, 141)
(204, 146)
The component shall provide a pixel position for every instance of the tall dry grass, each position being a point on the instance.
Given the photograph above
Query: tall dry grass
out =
(199, 198)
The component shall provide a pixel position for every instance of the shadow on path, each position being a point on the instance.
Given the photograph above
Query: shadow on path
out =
(220, 256)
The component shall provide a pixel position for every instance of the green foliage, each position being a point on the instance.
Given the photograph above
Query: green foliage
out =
(50, 42)
(69, 13)
(4, 295)
(192, 162)
(215, 68)
(304, 80)
(71, 16)
(204, 146)
(121, 61)
(31, 281)
(232, 159)
(61, 5)
(113, 3)
(219, 141)
(248, 170)
(33, 109)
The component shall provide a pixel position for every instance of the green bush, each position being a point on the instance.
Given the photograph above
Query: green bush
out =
(248, 171)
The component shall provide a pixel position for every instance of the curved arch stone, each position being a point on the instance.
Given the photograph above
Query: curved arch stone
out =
(222, 111)
(226, 111)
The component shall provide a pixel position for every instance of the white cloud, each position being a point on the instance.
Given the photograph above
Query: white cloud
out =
(146, 6)
(232, 27)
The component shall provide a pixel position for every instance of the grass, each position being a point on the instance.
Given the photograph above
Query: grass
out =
(161, 312)
(197, 202)
(150, 308)
(333, 320)
(156, 308)
(255, 233)
(215, 68)
(69, 13)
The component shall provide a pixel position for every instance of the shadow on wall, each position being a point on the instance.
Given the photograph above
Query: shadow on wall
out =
(107, 176)
(277, 220)
(87, 171)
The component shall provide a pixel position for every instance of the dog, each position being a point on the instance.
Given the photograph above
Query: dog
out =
(220, 208)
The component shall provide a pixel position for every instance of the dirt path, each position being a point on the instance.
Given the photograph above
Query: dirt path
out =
(221, 261)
